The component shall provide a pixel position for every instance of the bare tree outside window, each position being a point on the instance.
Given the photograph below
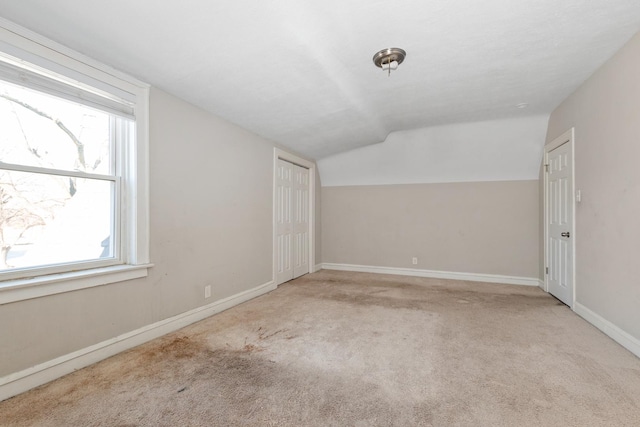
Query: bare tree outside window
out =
(47, 218)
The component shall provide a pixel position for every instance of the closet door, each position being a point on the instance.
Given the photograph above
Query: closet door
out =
(292, 221)
(300, 221)
(284, 222)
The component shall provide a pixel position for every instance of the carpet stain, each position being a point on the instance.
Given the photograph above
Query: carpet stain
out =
(249, 348)
(264, 335)
(434, 299)
(180, 347)
(370, 300)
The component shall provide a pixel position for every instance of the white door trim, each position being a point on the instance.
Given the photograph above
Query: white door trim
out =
(566, 138)
(281, 154)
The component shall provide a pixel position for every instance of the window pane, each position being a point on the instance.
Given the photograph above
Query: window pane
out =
(42, 130)
(49, 219)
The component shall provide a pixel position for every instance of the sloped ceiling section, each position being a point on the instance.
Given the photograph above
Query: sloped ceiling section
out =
(299, 72)
(496, 150)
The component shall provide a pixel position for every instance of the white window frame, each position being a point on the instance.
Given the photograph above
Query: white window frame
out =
(133, 203)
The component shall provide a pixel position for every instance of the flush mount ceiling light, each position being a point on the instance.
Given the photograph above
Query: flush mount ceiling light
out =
(389, 59)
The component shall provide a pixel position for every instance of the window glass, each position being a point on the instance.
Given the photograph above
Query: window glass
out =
(58, 189)
(42, 224)
(46, 131)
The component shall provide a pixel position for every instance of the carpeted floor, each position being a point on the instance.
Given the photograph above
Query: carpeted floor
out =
(355, 349)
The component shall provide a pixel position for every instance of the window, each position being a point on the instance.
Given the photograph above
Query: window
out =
(73, 194)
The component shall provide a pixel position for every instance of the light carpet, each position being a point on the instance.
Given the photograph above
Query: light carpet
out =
(356, 349)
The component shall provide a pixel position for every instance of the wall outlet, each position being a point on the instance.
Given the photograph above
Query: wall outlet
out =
(414, 261)
(207, 291)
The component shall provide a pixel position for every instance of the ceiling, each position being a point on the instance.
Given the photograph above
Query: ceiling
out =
(300, 72)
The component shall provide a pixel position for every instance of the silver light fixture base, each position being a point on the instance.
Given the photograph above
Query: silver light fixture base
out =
(389, 55)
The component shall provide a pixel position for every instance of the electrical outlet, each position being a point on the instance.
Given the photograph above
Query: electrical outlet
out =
(207, 291)
(414, 261)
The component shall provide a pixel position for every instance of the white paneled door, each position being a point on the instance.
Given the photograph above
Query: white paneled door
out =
(300, 214)
(292, 221)
(560, 216)
(284, 222)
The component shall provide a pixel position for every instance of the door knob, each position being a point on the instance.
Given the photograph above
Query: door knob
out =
(565, 234)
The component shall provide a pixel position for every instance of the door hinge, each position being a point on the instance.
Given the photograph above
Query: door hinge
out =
(546, 270)
(546, 168)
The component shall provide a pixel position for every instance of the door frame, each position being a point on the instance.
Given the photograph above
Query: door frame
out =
(292, 158)
(566, 138)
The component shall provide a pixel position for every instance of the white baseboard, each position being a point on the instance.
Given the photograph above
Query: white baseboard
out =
(317, 268)
(474, 277)
(27, 379)
(541, 284)
(623, 338)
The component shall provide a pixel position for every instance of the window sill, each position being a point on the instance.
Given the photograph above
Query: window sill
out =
(36, 287)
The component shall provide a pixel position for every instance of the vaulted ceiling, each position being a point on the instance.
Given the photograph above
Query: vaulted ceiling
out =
(300, 72)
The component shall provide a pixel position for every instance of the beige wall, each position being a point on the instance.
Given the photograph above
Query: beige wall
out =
(211, 223)
(318, 219)
(541, 207)
(605, 112)
(472, 227)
